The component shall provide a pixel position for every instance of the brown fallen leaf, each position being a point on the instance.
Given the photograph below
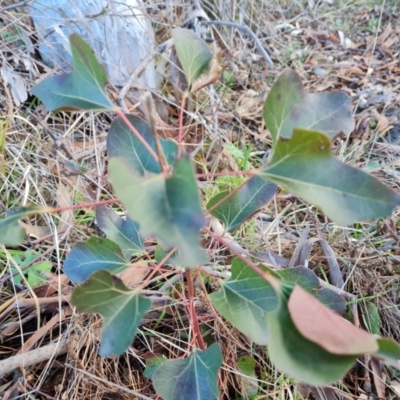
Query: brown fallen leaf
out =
(382, 122)
(318, 323)
(36, 231)
(53, 285)
(134, 274)
(211, 75)
(64, 200)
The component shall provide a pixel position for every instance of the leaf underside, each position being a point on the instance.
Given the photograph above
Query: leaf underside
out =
(193, 53)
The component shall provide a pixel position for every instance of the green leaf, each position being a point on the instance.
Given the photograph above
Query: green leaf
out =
(304, 165)
(389, 352)
(331, 299)
(371, 317)
(251, 196)
(82, 89)
(160, 253)
(247, 367)
(32, 274)
(95, 254)
(152, 364)
(121, 309)
(122, 143)
(167, 208)
(288, 106)
(193, 53)
(11, 232)
(307, 279)
(301, 276)
(297, 356)
(122, 231)
(244, 300)
(194, 377)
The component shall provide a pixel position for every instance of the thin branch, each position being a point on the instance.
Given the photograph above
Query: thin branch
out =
(81, 205)
(33, 357)
(180, 132)
(57, 141)
(247, 30)
(16, 5)
(192, 311)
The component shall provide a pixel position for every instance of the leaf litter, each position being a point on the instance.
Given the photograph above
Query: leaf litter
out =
(347, 48)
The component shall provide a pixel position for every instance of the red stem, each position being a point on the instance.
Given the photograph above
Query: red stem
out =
(180, 132)
(137, 134)
(82, 205)
(192, 311)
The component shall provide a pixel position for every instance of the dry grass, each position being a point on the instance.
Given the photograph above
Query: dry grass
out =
(35, 169)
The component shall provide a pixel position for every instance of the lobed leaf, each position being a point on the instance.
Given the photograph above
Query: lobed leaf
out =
(244, 300)
(288, 106)
(194, 377)
(167, 208)
(193, 53)
(95, 254)
(122, 143)
(81, 89)
(121, 309)
(303, 164)
(122, 231)
(11, 232)
(251, 196)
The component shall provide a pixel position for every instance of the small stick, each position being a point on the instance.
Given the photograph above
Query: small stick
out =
(16, 5)
(58, 143)
(247, 30)
(33, 357)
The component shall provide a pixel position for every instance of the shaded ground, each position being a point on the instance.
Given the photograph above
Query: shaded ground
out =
(352, 46)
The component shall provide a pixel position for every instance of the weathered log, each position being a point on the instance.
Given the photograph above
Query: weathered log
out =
(119, 32)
